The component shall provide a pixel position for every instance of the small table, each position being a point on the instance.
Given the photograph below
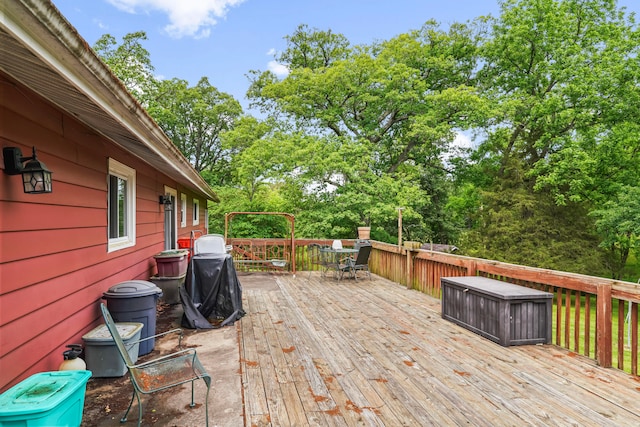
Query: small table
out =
(331, 258)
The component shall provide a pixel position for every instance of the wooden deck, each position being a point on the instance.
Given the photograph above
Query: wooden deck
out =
(372, 353)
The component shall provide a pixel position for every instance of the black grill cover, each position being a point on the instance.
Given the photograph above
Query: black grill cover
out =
(212, 295)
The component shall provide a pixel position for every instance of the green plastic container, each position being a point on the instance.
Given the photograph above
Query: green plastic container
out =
(45, 399)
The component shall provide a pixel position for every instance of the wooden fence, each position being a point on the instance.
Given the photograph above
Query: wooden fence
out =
(593, 316)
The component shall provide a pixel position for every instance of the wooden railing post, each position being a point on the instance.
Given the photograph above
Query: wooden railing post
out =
(409, 274)
(472, 267)
(603, 326)
(410, 249)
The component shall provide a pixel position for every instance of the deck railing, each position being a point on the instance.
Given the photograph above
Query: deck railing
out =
(593, 316)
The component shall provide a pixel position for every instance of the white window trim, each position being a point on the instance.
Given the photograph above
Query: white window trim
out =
(129, 175)
(196, 211)
(183, 210)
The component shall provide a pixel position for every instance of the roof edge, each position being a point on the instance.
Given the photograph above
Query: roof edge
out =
(47, 33)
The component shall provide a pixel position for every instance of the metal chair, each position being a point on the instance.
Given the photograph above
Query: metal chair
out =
(161, 373)
(317, 258)
(360, 262)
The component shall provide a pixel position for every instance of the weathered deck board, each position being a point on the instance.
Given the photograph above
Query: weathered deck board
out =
(372, 353)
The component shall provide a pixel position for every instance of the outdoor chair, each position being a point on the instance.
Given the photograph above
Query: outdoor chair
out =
(161, 373)
(360, 262)
(209, 244)
(317, 257)
(361, 242)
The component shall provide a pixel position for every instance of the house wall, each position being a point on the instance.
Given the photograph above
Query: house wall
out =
(54, 264)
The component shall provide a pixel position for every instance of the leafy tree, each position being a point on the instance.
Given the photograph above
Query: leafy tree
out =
(618, 222)
(131, 63)
(382, 112)
(553, 71)
(404, 97)
(194, 118)
(521, 227)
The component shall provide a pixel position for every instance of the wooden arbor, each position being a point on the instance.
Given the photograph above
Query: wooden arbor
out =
(229, 216)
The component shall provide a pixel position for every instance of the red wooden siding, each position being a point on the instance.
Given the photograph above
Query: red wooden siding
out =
(54, 264)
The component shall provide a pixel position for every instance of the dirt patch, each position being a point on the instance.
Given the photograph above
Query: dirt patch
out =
(107, 399)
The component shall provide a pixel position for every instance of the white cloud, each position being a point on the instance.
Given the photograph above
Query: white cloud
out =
(100, 24)
(278, 69)
(463, 141)
(191, 18)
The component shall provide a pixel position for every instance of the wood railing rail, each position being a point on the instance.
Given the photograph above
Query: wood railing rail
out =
(593, 316)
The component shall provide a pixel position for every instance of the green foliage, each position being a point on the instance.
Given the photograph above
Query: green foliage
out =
(618, 223)
(403, 98)
(631, 271)
(554, 69)
(194, 118)
(517, 226)
(130, 62)
(353, 133)
(561, 140)
(384, 115)
(313, 49)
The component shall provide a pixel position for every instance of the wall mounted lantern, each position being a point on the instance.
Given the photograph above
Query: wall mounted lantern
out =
(166, 201)
(36, 178)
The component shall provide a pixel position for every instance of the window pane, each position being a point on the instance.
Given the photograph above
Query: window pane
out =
(117, 207)
(122, 207)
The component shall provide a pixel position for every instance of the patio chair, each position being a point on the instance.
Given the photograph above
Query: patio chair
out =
(209, 244)
(360, 262)
(361, 242)
(317, 258)
(161, 373)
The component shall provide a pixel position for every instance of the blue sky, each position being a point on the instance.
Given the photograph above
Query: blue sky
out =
(224, 39)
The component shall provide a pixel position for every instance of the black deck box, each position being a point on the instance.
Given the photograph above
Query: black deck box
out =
(502, 312)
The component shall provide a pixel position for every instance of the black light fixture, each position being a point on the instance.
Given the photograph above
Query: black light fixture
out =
(36, 178)
(166, 201)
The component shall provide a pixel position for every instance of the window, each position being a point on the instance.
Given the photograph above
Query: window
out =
(196, 212)
(183, 210)
(121, 206)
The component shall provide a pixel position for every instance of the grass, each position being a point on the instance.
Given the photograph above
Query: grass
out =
(571, 345)
(631, 273)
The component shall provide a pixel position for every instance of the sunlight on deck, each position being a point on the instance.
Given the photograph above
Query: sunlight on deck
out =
(318, 352)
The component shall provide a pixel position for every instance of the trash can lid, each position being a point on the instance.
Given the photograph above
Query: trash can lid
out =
(132, 288)
(173, 253)
(127, 330)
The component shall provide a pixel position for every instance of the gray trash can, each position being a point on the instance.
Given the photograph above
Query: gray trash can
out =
(135, 301)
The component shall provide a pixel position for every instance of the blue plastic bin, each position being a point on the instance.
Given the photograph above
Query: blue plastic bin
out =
(45, 399)
(135, 301)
